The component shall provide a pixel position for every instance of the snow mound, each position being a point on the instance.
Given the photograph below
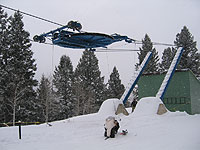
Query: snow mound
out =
(109, 107)
(147, 106)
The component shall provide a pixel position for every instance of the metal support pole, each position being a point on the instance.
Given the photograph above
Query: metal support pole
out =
(20, 131)
(140, 71)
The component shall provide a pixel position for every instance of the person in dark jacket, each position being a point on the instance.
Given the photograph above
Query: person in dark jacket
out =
(116, 127)
(133, 104)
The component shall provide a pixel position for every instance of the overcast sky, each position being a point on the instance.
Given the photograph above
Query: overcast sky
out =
(160, 19)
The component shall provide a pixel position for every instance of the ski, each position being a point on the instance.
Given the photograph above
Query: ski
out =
(106, 138)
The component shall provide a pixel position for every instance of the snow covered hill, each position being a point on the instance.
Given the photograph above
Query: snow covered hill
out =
(147, 131)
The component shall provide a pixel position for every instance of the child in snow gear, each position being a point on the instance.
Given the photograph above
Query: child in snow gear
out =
(111, 127)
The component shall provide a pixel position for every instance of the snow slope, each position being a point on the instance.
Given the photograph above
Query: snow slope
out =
(147, 131)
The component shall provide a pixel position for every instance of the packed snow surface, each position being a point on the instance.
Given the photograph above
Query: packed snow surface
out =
(146, 131)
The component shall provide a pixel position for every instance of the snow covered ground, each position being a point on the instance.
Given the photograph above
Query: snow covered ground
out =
(147, 131)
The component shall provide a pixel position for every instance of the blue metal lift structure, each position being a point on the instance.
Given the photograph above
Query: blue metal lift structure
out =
(79, 39)
(166, 80)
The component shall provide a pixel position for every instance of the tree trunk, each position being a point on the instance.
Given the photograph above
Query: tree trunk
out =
(47, 110)
(14, 111)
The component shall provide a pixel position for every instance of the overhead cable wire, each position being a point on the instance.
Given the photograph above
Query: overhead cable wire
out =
(116, 50)
(155, 43)
(32, 15)
(164, 44)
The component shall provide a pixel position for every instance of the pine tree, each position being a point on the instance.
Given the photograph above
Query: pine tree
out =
(63, 81)
(190, 58)
(167, 58)
(47, 106)
(3, 52)
(18, 70)
(147, 46)
(115, 87)
(91, 90)
(44, 94)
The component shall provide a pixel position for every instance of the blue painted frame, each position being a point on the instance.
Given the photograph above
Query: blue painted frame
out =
(137, 78)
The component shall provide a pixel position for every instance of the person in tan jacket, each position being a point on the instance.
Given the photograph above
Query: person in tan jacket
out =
(111, 127)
